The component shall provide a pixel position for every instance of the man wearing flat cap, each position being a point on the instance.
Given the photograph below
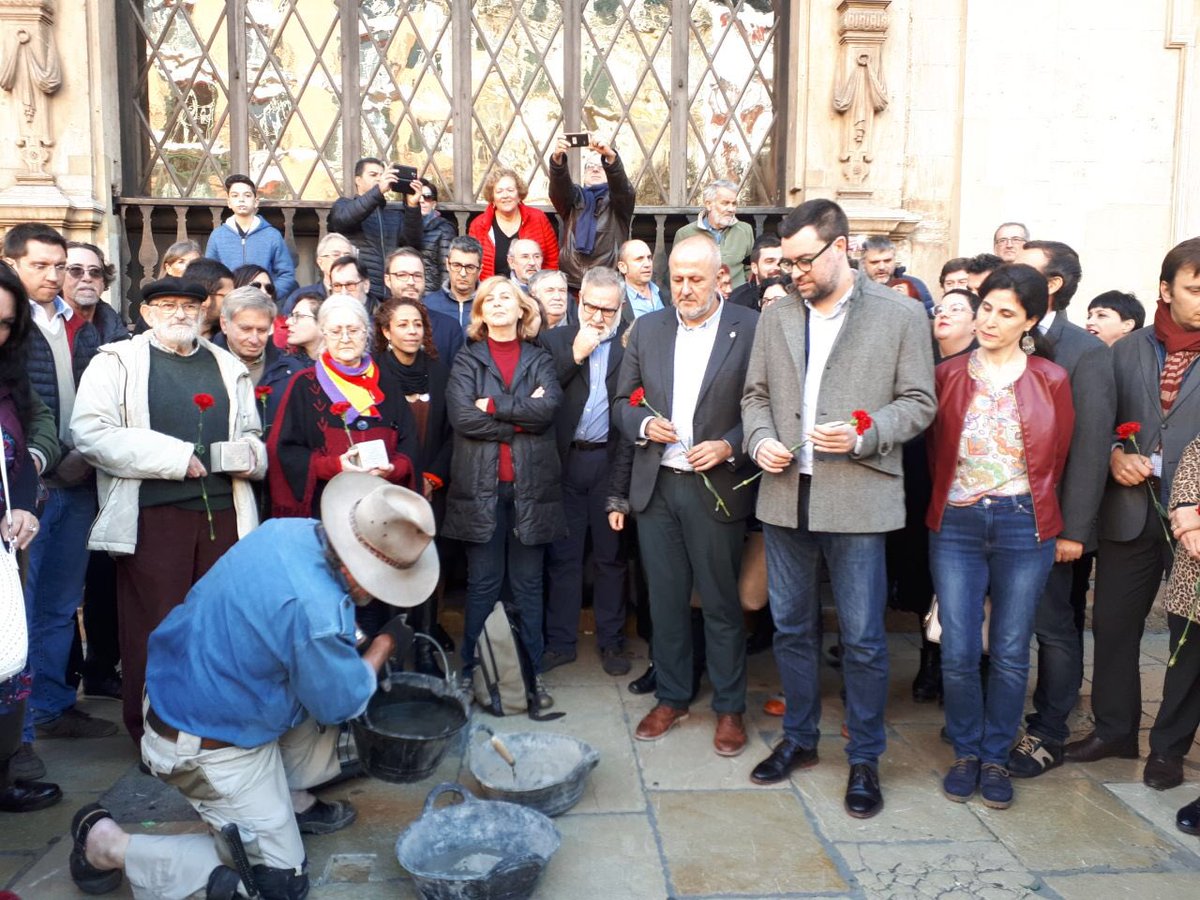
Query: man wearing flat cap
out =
(243, 681)
(169, 421)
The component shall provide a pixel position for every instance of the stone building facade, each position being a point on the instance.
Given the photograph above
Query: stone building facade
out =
(930, 120)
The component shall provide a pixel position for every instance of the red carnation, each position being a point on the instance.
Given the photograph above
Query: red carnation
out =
(262, 393)
(203, 401)
(638, 397)
(860, 420)
(1128, 429)
(340, 408)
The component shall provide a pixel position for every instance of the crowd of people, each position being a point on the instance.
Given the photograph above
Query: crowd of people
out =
(281, 456)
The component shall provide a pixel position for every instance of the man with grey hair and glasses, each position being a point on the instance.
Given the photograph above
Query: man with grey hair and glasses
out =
(719, 221)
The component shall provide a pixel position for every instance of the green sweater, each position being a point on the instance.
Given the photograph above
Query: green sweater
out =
(736, 242)
(174, 381)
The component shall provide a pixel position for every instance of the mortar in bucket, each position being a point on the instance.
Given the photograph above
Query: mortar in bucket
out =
(409, 725)
(476, 850)
(545, 771)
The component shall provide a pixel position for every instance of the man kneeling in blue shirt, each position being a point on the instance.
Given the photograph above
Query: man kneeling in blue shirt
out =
(244, 677)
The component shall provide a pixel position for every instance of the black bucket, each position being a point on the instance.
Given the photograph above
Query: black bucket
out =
(406, 730)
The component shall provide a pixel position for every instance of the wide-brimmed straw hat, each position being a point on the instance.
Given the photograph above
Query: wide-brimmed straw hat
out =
(384, 535)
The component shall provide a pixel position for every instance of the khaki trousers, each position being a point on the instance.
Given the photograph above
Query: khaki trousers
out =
(252, 788)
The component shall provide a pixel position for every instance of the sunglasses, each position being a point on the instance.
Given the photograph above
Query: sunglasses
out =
(265, 286)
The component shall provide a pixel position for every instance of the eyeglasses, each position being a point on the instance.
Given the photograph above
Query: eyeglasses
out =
(951, 309)
(464, 268)
(346, 331)
(427, 196)
(345, 285)
(77, 271)
(804, 263)
(170, 307)
(301, 315)
(265, 286)
(590, 310)
(406, 276)
(1010, 241)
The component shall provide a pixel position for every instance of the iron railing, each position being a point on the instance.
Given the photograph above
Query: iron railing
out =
(150, 225)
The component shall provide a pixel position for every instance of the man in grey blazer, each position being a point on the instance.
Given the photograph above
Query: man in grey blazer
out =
(1060, 645)
(840, 343)
(691, 361)
(1157, 384)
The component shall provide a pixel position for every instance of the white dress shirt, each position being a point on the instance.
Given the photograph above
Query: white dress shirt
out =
(822, 333)
(693, 347)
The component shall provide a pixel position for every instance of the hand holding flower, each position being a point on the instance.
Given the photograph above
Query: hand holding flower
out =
(773, 456)
(707, 454)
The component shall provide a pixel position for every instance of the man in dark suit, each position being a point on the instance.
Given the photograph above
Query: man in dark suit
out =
(1060, 645)
(587, 358)
(691, 361)
(1156, 386)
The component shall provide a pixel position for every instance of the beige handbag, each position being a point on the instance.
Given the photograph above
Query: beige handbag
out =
(14, 639)
(752, 583)
(933, 624)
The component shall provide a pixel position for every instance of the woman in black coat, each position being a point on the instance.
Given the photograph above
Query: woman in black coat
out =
(409, 367)
(505, 495)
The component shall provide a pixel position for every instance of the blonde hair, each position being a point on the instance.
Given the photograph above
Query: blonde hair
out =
(489, 184)
(527, 328)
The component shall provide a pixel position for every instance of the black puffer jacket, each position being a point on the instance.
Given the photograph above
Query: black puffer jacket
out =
(474, 472)
(376, 228)
(439, 232)
(106, 328)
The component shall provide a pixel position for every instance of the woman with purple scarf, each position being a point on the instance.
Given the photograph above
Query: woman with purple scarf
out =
(330, 409)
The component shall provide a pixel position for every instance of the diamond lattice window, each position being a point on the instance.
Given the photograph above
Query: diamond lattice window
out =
(293, 91)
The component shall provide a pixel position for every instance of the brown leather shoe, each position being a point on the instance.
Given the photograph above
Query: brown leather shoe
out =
(1093, 748)
(775, 706)
(658, 722)
(730, 738)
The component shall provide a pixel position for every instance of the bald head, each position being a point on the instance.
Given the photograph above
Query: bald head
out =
(636, 263)
(693, 265)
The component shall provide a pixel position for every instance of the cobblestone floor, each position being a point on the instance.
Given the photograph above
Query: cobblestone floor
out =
(671, 819)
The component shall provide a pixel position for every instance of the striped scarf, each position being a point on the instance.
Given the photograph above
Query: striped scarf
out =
(358, 386)
(1182, 349)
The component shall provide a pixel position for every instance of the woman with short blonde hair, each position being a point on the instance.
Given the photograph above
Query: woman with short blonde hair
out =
(527, 327)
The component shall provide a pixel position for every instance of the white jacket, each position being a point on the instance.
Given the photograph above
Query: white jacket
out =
(111, 428)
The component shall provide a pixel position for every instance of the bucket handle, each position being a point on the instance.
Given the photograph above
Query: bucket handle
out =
(441, 653)
(527, 864)
(448, 787)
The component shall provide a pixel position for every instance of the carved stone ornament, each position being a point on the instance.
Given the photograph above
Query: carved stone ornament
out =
(859, 93)
(30, 72)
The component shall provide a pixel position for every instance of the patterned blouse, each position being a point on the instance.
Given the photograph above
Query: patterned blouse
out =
(991, 451)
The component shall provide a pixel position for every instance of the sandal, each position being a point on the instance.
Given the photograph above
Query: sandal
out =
(87, 877)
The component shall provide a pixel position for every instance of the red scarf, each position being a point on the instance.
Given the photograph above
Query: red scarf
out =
(1182, 349)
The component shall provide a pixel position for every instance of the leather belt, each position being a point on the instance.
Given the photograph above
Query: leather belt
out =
(675, 471)
(162, 729)
(589, 445)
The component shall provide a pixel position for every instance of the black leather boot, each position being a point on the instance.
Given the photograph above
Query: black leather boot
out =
(927, 686)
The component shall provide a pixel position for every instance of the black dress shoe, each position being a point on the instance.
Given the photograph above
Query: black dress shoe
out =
(87, 877)
(28, 796)
(1187, 819)
(1163, 772)
(864, 797)
(1093, 748)
(784, 759)
(647, 683)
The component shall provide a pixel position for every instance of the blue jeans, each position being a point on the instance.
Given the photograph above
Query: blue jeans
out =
(58, 561)
(857, 572)
(486, 565)
(994, 542)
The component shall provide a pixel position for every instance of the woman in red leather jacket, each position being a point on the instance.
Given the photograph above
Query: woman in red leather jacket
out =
(996, 452)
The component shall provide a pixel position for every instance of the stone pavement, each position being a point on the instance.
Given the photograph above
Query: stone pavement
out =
(672, 819)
